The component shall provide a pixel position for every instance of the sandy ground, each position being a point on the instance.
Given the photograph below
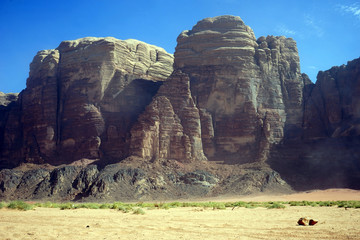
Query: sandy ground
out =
(188, 223)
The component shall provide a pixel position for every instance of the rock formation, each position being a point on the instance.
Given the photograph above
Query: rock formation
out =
(138, 181)
(251, 89)
(6, 99)
(242, 93)
(82, 98)
(333, 106)
(328, 150)
(170, 128)
(217, 118)
(10, 132)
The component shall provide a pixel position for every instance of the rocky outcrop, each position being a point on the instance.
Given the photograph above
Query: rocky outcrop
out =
(7, 98)
(225, 116)
(82, 98)
(332, 108)
(250, 89)
(328, 151)
(123, 182)
(170, 128)
(10, 133)
(240, 95)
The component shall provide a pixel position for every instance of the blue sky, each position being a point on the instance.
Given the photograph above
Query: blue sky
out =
(327, 32)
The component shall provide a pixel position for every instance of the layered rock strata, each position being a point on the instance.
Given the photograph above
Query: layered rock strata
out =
(250, 89)
(170, 128)
(82, 98)
(228, 97)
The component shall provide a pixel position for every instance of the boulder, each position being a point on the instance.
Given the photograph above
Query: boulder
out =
(306, 221)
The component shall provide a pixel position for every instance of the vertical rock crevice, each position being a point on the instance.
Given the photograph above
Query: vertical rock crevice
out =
(170, 127)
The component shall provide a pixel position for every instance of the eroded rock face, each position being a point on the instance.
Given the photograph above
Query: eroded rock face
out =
(121, 182)
(10, 133)
(333, 106)
(170, 128)
(250, 89)
(231, 98)
(328, 151)
(82, 98)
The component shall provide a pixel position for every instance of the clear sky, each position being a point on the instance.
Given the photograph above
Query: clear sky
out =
(327, 32)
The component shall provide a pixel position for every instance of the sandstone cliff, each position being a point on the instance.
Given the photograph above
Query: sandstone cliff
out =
(332, 108)
(170, 128)
(240, 95)
(10, 132)
(327, 154)
(82, 98)
(251, 88)
(217, 118)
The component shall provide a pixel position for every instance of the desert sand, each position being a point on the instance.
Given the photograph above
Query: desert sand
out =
(189, 223)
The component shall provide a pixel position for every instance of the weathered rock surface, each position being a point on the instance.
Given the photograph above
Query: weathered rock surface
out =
(233, 101)
(333, 106)
(7, 98)
(328, 152)
(225, 116)
(10, 132)
(123, 182)
(251, 90)
(82, 98)
(170, 128)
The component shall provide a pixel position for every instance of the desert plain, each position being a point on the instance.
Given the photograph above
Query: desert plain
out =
(191, 222)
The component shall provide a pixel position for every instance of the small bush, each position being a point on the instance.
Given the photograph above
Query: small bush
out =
(275, 205)
(2, 205)
(165, 206)
(249, 206)
(90, 206)
(116, 205)
(48, 205)
(105, 206)
(139, 211)
(326, 204)
(239, 204)
(303, 203)
(20, 205)
(124, 208)
(348, 204)
(219, 206)
(175, 204)
(186, 204)
(64, 206)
